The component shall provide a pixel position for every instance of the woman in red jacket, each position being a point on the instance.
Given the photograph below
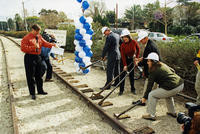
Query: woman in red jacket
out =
(129, 49)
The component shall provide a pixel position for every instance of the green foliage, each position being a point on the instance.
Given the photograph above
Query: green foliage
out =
(70, 36)
(179, 55)
(17, 34)
(98, 41)
(34, 20)
(101, 19)
(110, 15)
(11, 24)
(182, 30)
(198, 29)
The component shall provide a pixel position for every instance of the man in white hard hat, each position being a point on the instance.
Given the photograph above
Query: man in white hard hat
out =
(150, 47)
(169, 85)
(111, 49)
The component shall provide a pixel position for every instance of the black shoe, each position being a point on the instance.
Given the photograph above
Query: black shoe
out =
(102, 88)
(133, 91)
(33, 97)
(43, 93)
(48, 80)
(120, 93)
(140, 103)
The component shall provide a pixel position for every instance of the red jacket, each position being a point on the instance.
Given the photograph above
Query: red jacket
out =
(28, 44)
(129, 50)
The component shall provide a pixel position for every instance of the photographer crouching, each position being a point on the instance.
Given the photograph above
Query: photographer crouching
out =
(191, 123)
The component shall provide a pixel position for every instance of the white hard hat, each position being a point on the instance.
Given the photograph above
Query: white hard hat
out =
(153, 56)
(104, 29)
(142, 35)
(125, 32)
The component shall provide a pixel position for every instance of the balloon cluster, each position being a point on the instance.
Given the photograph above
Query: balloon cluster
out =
(83, 40)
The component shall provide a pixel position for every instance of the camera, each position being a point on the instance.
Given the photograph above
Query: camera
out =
(187, 120)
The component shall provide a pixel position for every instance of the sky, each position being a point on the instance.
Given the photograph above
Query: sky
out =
(8, 8)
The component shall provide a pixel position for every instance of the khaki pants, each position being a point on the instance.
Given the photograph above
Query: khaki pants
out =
(197, 87)
(160, 93)
(146, 83)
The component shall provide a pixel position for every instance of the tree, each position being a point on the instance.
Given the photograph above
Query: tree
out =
(11, 24)
(183, 2)
(49, 17)
(193, 14)
(101, 19)
(18, 22)
(110, 15)
(62, 17)
(135, 16)
(34, 20)
(148, 12)
(96, 8)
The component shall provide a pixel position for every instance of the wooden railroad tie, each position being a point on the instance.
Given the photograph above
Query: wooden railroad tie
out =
(144, 130)
(87, 90)
(81, 86)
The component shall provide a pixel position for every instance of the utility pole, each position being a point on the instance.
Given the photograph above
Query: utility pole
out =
(24, 16)
(116, 17)
(7, 24)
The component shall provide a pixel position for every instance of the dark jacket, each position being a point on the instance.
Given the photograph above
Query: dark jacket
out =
(150, 47)
(165, 76)
(111, 47)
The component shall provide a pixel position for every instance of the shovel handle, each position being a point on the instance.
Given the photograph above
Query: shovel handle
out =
(83, 68)
(100, 103)
(137, 103)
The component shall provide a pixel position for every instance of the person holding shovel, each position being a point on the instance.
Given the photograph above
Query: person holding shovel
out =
(111, 49)
(128, 49)
(150, 46)
(169, 85)
(197, 83)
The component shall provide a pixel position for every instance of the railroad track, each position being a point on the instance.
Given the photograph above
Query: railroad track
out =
(67, 79)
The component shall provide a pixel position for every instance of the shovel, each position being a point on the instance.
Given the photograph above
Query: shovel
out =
(98, 95)
(83, 68)
(121, 116)
(101, 102)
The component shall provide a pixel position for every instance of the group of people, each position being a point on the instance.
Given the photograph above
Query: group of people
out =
(36, 60)
(122, 53)
(155, 71)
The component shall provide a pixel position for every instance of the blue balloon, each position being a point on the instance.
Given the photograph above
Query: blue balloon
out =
(90, 32)
(82, 19)
(77, 31)
(86, 26)
(76, 53)
(91, 38)
(81, 65)
(78, 59)
(78, 37)
(79, 1)
(89, 54)
(82, 43)
(86, 49)
(85, 5)
(86, 71)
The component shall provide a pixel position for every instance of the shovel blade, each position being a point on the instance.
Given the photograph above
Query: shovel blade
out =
(107, 103)
(125, 116)
(96, 97)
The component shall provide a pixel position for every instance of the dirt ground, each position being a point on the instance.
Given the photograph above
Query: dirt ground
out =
(96, 79)
(6, 126)
(59, 112)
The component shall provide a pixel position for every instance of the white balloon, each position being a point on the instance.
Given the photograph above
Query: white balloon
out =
(86, 59)
(78, 25)
(76, 42)
(89, 42)
(89, 20)
(78, 48)
(86, 37)
(82, 31)
(81, 54)
(76, 64)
